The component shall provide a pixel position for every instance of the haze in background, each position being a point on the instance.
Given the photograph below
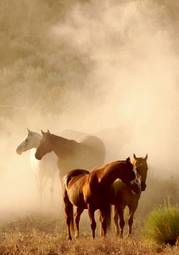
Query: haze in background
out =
(109, 69)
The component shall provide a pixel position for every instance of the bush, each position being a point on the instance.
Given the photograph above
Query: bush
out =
(162, 225)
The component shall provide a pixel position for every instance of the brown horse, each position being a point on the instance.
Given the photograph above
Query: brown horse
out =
(90, 190)
(122, 195)
(88, 153)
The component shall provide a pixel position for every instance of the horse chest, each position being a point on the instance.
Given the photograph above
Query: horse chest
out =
(97, 198)
(45, 167)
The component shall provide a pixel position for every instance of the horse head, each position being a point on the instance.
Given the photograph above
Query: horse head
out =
(141, 169)
(129, 174)
(44, 146)
(32, 140)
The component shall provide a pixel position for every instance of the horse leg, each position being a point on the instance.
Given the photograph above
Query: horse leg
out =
(103, 222)
(131, 218)
(52, 184)
(116, 220)
(91, 211)
(105, 219)
(40, 190)
(122, 222)
(42, 182)
(69, 214)
(77, 220)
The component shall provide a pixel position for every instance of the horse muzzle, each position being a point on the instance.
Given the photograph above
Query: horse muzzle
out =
(37, 156)
(135, 187)
(143, 186)
(18, 151)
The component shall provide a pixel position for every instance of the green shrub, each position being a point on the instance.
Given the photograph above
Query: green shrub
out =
(162, 225)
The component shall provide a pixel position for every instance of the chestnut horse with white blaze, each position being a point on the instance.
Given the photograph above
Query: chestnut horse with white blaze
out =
(90, 190)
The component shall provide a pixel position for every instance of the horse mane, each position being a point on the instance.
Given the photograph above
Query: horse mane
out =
(72, 174)
(113, 163)
(69, 146)
(63, 139)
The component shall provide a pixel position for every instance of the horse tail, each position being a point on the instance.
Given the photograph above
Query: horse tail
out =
(93, 183)
(71, 218)
(73, 173)
(68, 211)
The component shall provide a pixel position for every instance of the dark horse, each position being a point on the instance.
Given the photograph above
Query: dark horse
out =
(88, 153)
(90, 190)
(122, 195)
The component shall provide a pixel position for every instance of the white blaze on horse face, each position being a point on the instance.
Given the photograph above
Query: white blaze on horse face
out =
(136, 183)
(141, 167)
(134, 170)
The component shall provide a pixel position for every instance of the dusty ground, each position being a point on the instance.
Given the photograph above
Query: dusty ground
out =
(42, 235)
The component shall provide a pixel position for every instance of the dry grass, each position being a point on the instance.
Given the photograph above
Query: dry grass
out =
(39, 235)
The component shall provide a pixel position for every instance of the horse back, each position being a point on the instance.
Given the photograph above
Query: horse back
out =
(94, 141)
(97, 174)
(74, 173)
(95, 149)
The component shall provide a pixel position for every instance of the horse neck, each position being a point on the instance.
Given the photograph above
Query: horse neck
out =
(111, 174)
(59, 144)
(36, 144)
(37, 139)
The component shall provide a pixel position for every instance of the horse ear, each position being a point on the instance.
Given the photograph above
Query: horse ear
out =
(28, 130)
(146, 157)
(128, 160)
(134, 156)
(48, 132)
(42, 132)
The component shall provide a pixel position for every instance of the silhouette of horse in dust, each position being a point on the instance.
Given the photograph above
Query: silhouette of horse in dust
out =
(90, 190)
(122, 195)
(46, 170)
(88, 153)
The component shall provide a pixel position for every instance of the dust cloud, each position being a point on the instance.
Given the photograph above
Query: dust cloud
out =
(108, 69)
(133, 82)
